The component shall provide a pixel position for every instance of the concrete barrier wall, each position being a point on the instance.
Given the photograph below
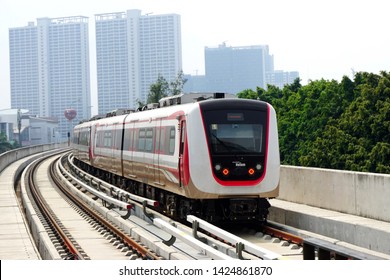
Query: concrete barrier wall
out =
(357, 193)
(11, 156)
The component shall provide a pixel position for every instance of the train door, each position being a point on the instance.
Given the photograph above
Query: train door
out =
(116, 156)
(92, 143)
(110, 147)
(182, 154)
(128, 150)
(157, 151)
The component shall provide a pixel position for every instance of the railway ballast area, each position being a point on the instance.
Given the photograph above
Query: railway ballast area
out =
(67, 214)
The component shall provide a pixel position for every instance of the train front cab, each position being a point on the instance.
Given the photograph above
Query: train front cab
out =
(242, 168)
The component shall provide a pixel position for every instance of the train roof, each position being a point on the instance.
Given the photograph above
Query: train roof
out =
(166, 107)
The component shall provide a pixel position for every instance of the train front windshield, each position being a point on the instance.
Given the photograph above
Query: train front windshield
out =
(236, 135)
(236, 138)
(232, 132)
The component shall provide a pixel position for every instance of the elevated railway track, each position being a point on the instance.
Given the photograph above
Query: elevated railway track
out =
(132, 224)
(164, 237)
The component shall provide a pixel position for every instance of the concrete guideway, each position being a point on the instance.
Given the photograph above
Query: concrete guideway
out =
(349, 230)
(15, 239)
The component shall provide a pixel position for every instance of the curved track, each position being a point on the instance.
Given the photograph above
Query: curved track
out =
(81, 233)
(107, 223)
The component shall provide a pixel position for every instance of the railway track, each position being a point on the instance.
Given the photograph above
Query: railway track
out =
(51, 199)
(279, 242)
(187, 242)
(134, 231)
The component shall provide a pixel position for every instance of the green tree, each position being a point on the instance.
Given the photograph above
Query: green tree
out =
(342, 125)
(162, 88)
(359, 137)
(248, 94)
(158, 90)
(176, 86)
(4, 144)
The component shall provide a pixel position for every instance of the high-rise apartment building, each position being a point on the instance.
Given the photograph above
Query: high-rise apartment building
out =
(49, 67)
(233, 69)
(132, 50)
(280, 78)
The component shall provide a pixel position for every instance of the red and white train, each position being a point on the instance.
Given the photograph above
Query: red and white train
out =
(217, 158)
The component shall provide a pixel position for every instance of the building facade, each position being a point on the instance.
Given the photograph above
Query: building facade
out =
(233, 69)
(28, 129)
(49, 67)
(132, 50)
(280, 78)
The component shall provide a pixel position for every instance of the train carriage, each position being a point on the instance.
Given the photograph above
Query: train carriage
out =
(216, 158)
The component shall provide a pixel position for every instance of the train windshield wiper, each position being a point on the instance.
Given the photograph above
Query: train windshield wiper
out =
(229, 146)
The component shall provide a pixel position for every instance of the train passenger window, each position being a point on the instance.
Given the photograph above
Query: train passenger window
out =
(84, 138)
(172, 140)
(97, 139)
(107, 139)
(88, 136)
(75, 137)
(149, 140)
(141, 139)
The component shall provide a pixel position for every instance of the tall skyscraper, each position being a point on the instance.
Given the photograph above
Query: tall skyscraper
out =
(233, 69)
(132, 50)
(49, 66)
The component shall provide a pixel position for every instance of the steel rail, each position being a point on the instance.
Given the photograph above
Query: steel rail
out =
(233, 239)
(48, 213)
(119, 233)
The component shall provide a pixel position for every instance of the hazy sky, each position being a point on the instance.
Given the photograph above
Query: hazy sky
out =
(318, 38)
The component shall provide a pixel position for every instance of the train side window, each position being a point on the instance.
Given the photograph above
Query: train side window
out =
(149, 140)
(141, 139)
(88, 136)
(76, 137)
(83, 138)
(107, 139)
(172, 133)
(99, 139)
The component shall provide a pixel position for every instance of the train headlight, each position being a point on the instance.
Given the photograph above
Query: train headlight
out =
(258, 166)
(225, 171)
(217, 167)
(251, 171)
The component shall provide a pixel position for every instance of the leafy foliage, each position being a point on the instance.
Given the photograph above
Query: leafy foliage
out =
(158, 90)
(4, 144)
(329, 124)
(162, 88)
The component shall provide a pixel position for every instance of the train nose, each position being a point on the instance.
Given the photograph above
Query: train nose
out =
(239, 171)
